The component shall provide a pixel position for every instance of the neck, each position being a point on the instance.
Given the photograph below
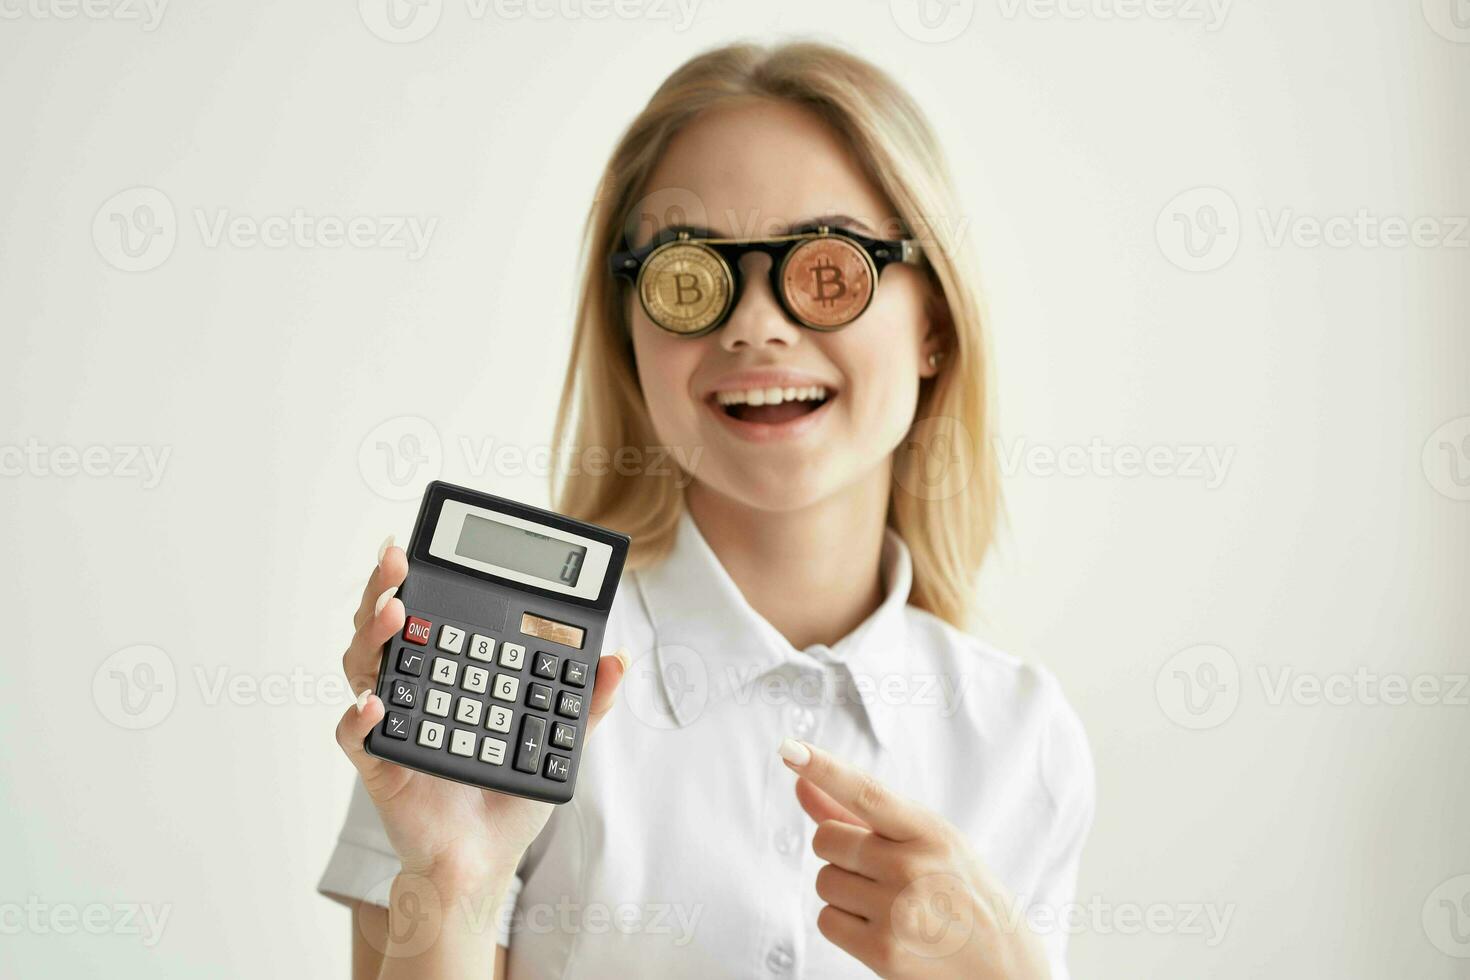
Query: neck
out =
(813, 573)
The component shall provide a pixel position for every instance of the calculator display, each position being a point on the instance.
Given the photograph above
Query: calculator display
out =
(520, 549)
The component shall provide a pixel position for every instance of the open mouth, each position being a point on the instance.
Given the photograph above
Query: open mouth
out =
(772, 406)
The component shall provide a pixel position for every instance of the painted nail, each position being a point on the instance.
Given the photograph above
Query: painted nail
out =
(795, 752)
(383, 548)
(623, 658)
(383, 599)
(362, 699)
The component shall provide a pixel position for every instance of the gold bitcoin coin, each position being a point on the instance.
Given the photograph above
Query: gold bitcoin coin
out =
(828, 282)
(684, 287)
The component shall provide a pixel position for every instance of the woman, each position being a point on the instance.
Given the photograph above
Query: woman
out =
(794, 599)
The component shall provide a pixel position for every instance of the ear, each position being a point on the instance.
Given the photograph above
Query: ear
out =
(938, 334)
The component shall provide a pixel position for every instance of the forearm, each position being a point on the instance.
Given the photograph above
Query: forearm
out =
(442, 929)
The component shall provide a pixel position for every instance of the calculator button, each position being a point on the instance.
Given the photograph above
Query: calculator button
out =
(482, 648)
(497, 718)
(569, 705)
(395, 725)
(468, 711)
(539, 697)
(410, 662)
(545, 666)
(431, 734)
(532, 741)
(575, 673)
(557, 768)
(404, 694)
(462, 742)
(445, 671)
(451, 639)
(512, 655)
(437, 703)
(416, 630)
(492, 750)
(475, 679)
(564, 736)
(506, 687)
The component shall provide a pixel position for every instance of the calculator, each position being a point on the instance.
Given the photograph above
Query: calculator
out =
(490, 681)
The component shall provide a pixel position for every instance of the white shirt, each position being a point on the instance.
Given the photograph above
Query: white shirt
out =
(685, 852)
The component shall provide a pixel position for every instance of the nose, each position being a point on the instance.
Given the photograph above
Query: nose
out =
(757, 320)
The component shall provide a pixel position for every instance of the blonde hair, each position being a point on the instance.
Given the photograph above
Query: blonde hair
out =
(947, 528)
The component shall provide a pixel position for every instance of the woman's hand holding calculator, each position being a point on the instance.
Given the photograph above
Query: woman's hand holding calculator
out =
(459, 842)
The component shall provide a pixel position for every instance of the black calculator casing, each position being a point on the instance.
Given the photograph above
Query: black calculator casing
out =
(479, 603)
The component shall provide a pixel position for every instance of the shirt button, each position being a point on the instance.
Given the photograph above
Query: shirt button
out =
(779, 959)
(786, 841)
(803, 722)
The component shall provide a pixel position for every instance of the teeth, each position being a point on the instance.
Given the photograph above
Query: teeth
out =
(772, 396)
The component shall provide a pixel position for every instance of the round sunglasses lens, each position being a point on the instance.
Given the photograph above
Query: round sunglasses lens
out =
(684, 288)
(828, 281)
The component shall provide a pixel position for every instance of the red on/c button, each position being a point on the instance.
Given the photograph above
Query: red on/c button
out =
(416, 630)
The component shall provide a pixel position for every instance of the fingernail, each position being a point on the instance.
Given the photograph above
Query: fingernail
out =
(362, 699)
(794, 752)
(623, 659)
(383, 599)
(383, 548)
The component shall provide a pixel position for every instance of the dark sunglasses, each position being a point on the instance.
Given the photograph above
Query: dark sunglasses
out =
(823, 277)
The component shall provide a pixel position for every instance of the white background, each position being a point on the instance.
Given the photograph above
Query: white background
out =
(1331, 834)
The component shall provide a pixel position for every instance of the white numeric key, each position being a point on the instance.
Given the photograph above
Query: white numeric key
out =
(482, 648)
(498, 718)
(468, 711)
(437, 703)
(475, 679)
(431, 734)
(451, 639)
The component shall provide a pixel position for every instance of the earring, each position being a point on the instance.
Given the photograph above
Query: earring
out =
(934, 360)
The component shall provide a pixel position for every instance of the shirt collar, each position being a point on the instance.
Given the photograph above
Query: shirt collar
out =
(710, 642)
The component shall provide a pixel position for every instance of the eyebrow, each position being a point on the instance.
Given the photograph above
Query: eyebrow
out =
(830, 220)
